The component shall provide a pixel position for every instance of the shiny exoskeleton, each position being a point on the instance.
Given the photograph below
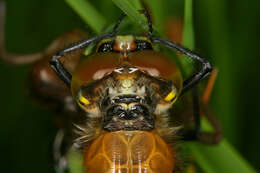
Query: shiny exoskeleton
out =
(129, 151)
(126, 93)
(127, 89)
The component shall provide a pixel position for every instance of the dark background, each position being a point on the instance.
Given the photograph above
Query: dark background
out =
(226, 31)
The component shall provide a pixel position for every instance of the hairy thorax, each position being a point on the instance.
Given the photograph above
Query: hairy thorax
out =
(129, 152)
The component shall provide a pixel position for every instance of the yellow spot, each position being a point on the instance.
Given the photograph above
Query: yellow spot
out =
(125, 106)
(84, 100)
(127, 83)
(171, 97)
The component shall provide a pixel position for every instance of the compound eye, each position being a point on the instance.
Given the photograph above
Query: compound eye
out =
(106, 47)
(171, 97)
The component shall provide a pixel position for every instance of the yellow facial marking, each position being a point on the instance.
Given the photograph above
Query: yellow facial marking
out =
(171, 97)
(127, 83)
(84, 100)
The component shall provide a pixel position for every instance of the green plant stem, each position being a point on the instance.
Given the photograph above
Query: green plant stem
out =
(130, 10)
(89, 14)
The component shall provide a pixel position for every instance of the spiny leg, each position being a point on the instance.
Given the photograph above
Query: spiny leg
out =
(198, 76)
(216, 136)
(196, 134)
(193, 134)
(196, 111)
(58, 67)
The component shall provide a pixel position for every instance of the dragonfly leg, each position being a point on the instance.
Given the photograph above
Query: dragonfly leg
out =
(202, 107)
(199, 75)
(201, 136)
(216, 136)
(210, 137)
(190, 135)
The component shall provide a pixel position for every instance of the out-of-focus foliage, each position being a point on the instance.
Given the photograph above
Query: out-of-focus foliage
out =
(225, 31)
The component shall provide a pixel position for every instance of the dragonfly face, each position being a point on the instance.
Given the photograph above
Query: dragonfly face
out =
(126, 86)
(117, 84)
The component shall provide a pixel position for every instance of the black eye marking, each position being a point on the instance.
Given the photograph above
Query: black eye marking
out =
(106, 47)
(143, 45)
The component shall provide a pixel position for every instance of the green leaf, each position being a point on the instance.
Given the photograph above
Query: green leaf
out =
(156, 8)
(88, 13)
(212, 159)
(188, 37)
(129, 8)
(218, 158)
(75, 160)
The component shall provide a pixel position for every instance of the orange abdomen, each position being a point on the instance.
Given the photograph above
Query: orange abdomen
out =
(129, 152)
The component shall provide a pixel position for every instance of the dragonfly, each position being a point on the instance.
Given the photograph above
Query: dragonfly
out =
(126, 105)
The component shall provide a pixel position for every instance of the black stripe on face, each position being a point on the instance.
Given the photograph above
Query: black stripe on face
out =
(143, 45)
(106, 47)
(127, 99)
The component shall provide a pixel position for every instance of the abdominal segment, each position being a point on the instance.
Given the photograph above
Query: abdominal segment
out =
(129, 152)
